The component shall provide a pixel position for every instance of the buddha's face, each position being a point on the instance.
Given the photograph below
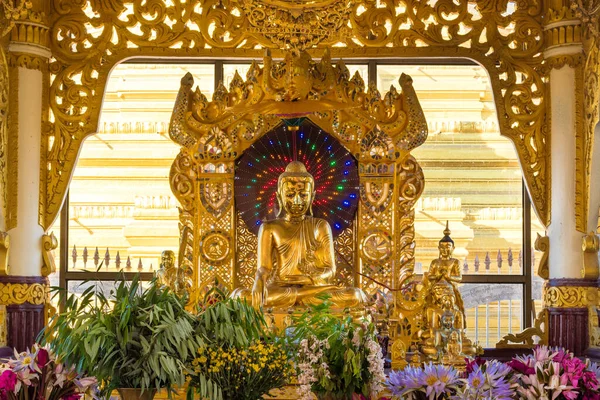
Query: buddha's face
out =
(296, 196)
(167, 259)
(446, 249)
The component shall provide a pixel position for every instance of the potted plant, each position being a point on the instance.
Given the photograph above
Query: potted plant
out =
(135, 340)
(240, 358)
(336, 358)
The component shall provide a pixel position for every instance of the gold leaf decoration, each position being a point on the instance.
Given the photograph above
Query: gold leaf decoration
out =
(506, 38)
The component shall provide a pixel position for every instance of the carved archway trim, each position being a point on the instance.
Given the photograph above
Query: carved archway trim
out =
(88, 41)
(4, 89)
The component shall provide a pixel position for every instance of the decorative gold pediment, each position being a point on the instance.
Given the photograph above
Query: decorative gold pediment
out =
(372, 126)
(297, 24)
(88, 38)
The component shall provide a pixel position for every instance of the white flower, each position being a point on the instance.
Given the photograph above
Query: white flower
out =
(376, 364)
(356, 338)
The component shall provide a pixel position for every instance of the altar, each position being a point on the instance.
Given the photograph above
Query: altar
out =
(345, 150)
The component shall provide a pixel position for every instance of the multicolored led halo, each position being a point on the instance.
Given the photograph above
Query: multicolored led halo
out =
(333, 167)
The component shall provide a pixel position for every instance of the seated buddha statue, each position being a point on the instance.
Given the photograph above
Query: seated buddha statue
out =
(171, 275)
(296, 262)
(444, 339)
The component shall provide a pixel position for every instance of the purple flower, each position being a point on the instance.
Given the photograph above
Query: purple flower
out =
(495, 370)
(476, 379)
(438, 380)
(405, 381)
(595, 368)
(8, 380)
(73, 396)
(472, 363)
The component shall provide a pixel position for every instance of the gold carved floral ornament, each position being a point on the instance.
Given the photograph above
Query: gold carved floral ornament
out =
(19, 293)
(49, 244)
(4, 90)
(570, 296)
(89, 38)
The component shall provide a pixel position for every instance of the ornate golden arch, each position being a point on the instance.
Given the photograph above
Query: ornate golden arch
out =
(379, 130)
(89, 38)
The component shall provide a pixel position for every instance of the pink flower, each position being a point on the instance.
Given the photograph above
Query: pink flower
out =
(521, 367)
(573, 368)
(74, 396)
(84, 384)
(591, 396)
(42, 357)
(562, 355)
(570, 394)
(590, 381)
(8, 381)
(471, 364)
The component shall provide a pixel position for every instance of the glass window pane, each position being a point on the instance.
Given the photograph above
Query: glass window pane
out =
(121, 203)
(229, 72)
(104, 287)
(362, 69)
(472, 175)
(492, 311)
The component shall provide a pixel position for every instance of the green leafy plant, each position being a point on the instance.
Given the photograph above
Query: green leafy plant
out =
(240, 355)
(135, 338)
(336, 358)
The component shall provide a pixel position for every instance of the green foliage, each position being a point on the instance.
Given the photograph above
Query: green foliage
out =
(240, 355)
(135, 338)
(340, 344)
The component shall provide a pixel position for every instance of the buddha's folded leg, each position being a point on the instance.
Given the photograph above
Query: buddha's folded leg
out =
(278, 296)
(340, 297)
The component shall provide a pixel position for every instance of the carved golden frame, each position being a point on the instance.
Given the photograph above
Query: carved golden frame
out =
(380, 131)
(88, 38)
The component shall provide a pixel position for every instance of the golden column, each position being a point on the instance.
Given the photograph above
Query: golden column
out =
(23, 286)
(571, 53)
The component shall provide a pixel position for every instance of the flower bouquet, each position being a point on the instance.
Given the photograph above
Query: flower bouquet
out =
(433, 382)
(555, 374)
(36, 375)
(336, 358)
(246, 373)
(487, 380)
(239, 359)
(547, 374)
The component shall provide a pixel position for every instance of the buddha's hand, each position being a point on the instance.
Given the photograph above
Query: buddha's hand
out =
(259, 288)
(324, 275)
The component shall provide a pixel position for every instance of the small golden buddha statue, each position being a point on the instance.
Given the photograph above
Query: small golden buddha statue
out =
(296, 261)
(444, 339)
(171, 275)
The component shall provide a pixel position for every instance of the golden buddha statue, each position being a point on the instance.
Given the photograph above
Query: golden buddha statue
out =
(444, 338)
(171, 275)
(296, 262)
